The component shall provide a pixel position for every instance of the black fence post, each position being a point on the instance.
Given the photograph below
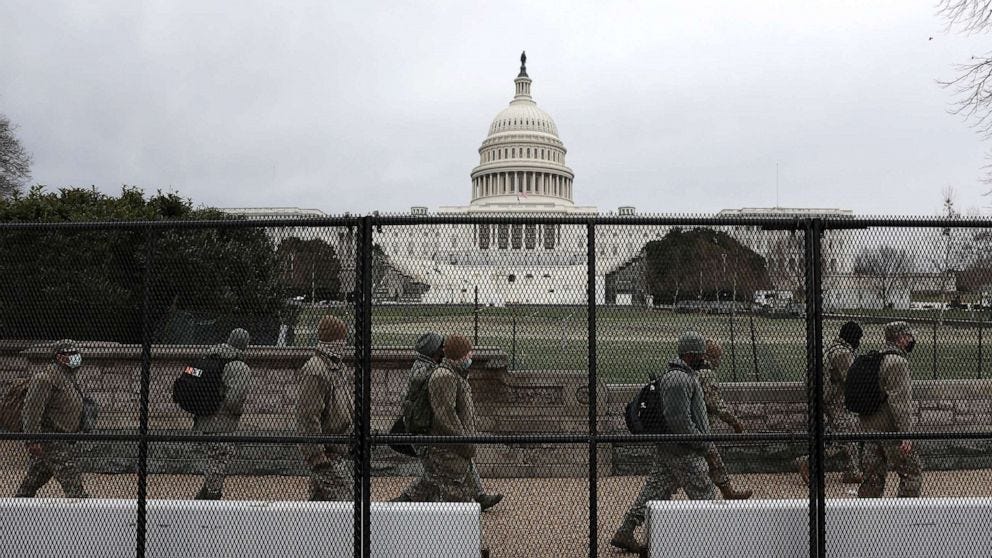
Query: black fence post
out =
(475, 341)
(144, 391)
(593, 401)
(366, 424)
(357, 447)
(814, 387)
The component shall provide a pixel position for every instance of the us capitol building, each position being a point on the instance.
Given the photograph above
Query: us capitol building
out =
(522, 171)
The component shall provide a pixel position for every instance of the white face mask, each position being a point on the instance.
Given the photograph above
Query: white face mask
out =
(75, 360)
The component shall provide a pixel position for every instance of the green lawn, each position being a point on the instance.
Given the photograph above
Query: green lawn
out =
(632, 341)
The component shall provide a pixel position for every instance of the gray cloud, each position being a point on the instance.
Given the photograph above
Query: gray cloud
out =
(356, 107)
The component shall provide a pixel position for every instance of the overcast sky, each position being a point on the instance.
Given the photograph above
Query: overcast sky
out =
(358, 106)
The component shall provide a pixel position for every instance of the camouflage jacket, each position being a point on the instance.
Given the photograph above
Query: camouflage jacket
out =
(716, 406)
(684, 407)
(326, 402)
(451, 403)
(53, 402)
(838, 358)
(896, 414)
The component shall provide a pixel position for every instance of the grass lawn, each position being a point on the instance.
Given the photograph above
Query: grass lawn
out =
(633, 341)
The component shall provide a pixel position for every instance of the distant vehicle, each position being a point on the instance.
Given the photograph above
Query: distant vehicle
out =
(773, 299)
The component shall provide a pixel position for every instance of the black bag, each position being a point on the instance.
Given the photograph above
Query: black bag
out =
(199, 390)
(645, 414)
(418, 415)
(863, 393)
(399, 428)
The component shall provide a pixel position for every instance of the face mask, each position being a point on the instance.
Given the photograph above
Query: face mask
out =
(75, 360)
(466, 363)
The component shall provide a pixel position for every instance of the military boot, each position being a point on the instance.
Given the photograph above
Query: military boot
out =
(624, 538)
(731, 493)
(487, 501)
(205, 494)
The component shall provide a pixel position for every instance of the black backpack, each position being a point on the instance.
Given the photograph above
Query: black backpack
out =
(863, 393)
(199, 390)
(645, 414)
(418, 415)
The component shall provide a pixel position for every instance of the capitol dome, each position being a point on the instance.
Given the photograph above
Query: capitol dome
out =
(522, 160)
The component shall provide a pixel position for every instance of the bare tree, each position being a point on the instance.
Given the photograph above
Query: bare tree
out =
(973, 85)
(15, 162)
(887, 268)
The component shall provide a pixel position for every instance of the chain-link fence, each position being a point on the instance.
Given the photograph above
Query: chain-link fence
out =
(301, 452)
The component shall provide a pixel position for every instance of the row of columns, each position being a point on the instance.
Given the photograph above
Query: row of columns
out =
(510, 183)
(516, 236)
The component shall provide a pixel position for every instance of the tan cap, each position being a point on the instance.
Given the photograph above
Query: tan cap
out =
(456, 347)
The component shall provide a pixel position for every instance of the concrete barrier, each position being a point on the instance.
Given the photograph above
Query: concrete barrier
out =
(904, 528)
(94, 528)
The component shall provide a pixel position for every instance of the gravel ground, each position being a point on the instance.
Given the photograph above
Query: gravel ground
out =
(539, 517)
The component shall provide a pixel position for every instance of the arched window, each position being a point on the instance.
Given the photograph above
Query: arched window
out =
(513, 152)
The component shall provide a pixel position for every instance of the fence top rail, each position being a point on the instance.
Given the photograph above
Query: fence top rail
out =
(768, 223)
(233, 223)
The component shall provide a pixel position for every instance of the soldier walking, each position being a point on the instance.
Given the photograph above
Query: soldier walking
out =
(717, 409)
(838, 358)
(236, 376)
(447, 473)
(682, 465)
(54, 403)
(326, 407)
(894, 415)
(430, 353)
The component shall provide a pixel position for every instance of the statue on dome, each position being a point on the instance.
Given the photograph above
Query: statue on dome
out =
(523, 63)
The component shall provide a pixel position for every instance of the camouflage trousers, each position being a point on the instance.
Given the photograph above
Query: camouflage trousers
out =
(669, 473)
(332, 481)
(718, 471)
(876, 461)
(58, 460)
(447, 477)
(217, 456)
(837, 419)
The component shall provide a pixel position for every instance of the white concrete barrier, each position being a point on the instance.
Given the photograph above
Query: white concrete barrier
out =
(65, 528)
(94, 528)
(903, 528)
(426, 530)
(910, 527)
(719, 528)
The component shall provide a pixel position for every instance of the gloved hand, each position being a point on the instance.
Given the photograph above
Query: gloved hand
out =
(738, 427)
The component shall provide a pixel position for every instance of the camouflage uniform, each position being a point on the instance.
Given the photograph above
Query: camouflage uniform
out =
(716, 409)
(218, 455)
(895, 415)
(448, 470)
(53, 403)
(678, 465)
(839, 357)
(325, 407)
